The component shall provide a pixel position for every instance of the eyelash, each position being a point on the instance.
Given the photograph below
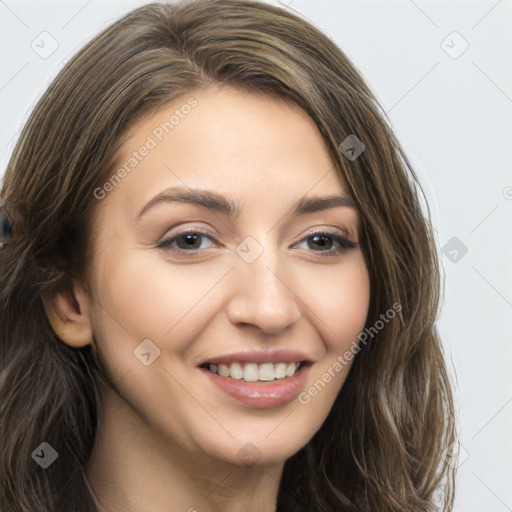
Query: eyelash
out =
(345, 243)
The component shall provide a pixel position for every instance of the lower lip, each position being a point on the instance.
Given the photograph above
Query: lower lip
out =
(262, 395)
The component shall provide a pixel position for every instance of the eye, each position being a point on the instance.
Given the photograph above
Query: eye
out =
(327, 240)
(188, 241)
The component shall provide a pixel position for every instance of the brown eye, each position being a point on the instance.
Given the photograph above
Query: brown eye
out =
(185, 241)
(324, 242)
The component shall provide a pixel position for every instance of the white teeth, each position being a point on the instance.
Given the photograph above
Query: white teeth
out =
(253, 372)
(223, 370)
(266, 371)
(236, 371)
(290, 369)
(280, 370)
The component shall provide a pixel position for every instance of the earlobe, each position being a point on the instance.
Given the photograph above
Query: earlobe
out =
(68, 314)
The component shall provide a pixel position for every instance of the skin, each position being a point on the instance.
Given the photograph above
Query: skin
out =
(168, 440)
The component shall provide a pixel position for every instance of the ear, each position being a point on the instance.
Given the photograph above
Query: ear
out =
(69, 315)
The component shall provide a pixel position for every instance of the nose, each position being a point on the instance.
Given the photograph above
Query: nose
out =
(263, 295)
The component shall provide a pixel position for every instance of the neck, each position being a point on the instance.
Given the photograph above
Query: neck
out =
(134, 468)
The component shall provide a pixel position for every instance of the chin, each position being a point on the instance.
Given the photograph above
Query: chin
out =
(256, 452)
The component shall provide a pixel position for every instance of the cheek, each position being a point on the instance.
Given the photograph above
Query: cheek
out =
(350, 306)
(340, 300)
(150, 293)
(146, 297)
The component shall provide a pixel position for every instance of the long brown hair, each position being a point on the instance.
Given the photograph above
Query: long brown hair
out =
(381, 446)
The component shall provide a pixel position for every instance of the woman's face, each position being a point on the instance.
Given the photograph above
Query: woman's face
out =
(244, 290)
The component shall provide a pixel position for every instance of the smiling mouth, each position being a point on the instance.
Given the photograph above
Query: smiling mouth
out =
(256, 372)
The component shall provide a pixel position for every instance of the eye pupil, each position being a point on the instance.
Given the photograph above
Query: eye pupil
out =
(323, 239)
(190, 239)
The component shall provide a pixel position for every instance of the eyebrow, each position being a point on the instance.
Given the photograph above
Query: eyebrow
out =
(225, 205)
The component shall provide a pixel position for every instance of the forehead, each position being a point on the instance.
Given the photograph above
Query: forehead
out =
(244, 144)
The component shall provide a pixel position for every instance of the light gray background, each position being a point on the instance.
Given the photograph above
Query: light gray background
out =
(453, 115)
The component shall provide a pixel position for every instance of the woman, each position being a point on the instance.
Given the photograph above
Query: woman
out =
(292, 362)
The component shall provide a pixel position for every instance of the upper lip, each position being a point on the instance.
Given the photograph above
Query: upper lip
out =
(260, 356)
